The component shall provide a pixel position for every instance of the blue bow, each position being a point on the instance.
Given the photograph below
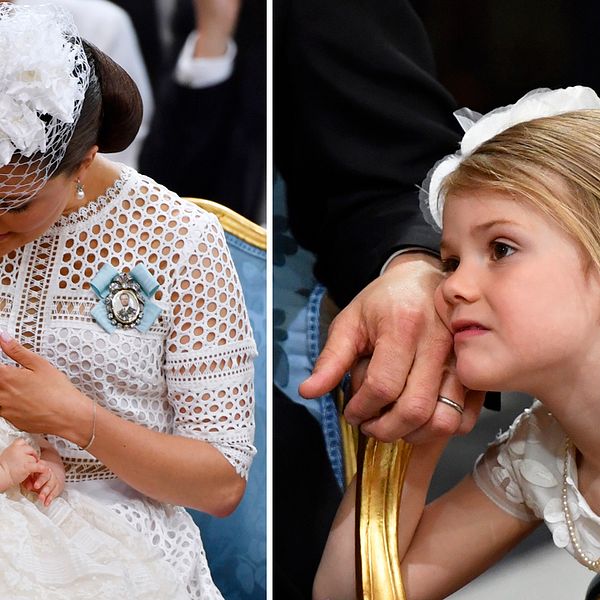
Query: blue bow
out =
(144, 286)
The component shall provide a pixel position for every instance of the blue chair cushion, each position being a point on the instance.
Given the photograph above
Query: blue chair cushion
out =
(236, 546)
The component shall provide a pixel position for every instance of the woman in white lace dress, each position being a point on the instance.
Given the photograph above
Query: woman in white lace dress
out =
(520, 209)
(125, 336)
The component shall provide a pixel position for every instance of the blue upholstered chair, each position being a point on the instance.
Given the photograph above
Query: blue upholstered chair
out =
(236, 546)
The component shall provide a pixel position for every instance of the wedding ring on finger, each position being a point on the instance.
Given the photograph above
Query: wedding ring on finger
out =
(455, 405)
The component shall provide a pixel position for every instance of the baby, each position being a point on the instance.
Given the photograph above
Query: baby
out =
(61, 545)
(41, 472)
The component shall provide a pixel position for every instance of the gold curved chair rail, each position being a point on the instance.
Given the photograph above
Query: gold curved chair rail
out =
(349, 437)
(234, 223)
(382, 468)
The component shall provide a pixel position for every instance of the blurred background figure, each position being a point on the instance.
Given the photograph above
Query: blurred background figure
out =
(208, 135)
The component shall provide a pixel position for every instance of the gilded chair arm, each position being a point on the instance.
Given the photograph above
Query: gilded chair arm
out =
(234, 223)
(380, 478)
(380, 469)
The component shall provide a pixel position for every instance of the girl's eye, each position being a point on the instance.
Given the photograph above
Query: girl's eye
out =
(449, 265)
(501, 250)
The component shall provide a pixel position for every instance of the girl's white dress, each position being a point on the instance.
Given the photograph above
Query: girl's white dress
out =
(190, 374)
(75, 549)
(522, 472)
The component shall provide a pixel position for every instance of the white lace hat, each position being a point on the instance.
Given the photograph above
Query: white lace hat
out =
(44, 74)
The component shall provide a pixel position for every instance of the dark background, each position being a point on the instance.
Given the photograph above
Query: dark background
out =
(491, 52)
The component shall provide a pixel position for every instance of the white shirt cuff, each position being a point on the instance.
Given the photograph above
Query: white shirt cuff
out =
(203, 72)
(404, 251)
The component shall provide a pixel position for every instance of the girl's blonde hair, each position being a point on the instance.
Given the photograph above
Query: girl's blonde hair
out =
(552, 162)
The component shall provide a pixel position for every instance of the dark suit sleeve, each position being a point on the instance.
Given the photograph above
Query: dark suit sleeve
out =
(186, 143)
(358, 121)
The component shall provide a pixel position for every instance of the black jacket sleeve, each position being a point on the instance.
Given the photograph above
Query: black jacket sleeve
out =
(358, 121)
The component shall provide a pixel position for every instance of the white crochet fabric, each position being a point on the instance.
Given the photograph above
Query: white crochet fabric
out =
(191, 374)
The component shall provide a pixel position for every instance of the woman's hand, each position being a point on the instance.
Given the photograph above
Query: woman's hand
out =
(38, 398)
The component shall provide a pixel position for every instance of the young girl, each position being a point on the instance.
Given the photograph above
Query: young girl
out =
(520, 209)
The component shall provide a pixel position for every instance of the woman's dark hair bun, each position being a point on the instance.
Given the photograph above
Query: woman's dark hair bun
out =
(122, 107)
(111, 113)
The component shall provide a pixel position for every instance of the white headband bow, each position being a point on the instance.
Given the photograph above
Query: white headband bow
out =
(478, 129)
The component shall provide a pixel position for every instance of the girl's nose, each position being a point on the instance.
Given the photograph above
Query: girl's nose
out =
(461, 285)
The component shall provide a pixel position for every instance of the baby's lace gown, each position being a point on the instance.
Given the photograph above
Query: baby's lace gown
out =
(75, 549)
(190, 374)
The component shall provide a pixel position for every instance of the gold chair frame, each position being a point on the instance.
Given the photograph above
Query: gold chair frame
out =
(380, 469)
(234, 223)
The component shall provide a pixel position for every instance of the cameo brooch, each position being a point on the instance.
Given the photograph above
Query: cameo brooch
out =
(124, 302)
(125, 299)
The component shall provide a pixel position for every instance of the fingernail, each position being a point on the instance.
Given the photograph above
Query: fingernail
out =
(5, 337)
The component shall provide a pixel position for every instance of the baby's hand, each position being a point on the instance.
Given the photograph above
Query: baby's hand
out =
(19, 461)
(48, 483)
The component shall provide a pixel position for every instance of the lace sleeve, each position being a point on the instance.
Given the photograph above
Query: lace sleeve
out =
(210, 348)
(494, 474)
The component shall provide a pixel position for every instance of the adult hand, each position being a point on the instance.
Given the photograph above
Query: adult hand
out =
(445, 420)
(215, 23)
(38, 398)
(393, 321)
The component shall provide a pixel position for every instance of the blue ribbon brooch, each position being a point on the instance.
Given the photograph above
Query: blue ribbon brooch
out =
(125, 299)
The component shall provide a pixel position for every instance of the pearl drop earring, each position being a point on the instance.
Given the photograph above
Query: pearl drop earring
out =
(79, 191)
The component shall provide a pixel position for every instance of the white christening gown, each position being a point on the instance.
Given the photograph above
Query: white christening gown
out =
(74, 549)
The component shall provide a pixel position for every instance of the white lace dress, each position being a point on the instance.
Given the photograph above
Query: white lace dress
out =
(522, 472)
(190, 374)
(74, 549)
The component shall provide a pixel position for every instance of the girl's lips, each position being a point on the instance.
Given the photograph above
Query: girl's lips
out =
(469, 332)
